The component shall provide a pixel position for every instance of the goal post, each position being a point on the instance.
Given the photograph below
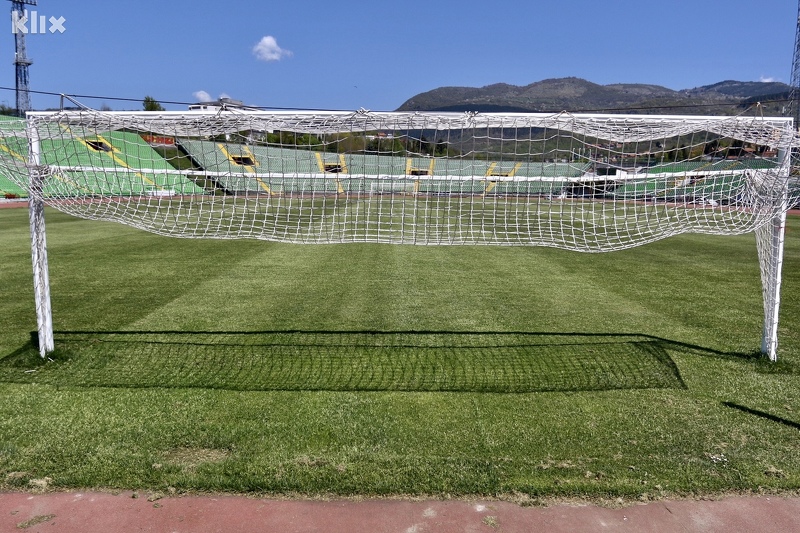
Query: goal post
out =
(582, 182)
(41, 271)
(770, 239)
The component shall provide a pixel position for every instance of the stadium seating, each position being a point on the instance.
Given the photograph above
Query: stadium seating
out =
(279, 170)
(698, 181)
(108, 150)
(9, 189)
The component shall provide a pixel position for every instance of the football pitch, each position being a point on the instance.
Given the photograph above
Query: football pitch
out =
(371, 369)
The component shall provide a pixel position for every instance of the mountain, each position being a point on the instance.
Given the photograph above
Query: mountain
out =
(579, 95)
(742, 89)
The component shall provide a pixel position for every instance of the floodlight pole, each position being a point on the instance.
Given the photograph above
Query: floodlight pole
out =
(41, 275)
(21, 58)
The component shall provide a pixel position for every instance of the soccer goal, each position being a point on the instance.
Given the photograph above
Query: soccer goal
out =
(587, 183)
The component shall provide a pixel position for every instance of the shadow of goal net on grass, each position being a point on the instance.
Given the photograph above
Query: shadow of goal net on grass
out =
(350, 361)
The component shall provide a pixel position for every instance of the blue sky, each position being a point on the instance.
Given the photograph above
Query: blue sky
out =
(377, 54)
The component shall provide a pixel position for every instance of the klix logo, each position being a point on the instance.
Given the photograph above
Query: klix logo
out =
(22, 22)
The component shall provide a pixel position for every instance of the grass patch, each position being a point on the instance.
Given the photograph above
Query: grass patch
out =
(245, 366)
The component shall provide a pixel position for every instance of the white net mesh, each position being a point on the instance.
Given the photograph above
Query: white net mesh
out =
(589, 183)
(580, 182)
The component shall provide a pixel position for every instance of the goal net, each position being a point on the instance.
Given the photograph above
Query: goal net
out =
(589, 183)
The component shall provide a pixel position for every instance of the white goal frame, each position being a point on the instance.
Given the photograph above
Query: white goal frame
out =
(770, 237)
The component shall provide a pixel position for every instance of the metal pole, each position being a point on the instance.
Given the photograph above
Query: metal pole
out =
(770, 240)
(41, 276)
(771, 256)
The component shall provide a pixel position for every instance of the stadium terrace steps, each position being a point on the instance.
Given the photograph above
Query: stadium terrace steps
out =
(699, 180)
(288, 170)
(9, 189)
(106, 152)
(713, 166)
(279, 170)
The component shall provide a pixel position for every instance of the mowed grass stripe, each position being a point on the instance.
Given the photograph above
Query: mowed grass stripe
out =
(375, 288)
(388, 288)
(110, 276)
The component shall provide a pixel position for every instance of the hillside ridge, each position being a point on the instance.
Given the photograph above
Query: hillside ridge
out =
(580, 95)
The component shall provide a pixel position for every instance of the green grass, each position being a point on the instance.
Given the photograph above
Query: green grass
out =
(244, 366)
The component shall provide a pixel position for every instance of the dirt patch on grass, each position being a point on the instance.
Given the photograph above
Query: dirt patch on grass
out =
(190, 458)
(310, 462)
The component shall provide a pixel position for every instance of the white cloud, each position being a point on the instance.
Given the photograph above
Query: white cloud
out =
(202, 96)
(267, 49)
(224, 95)
(767, 79)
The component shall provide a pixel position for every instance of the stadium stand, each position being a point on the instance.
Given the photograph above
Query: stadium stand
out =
(10, 125)
(713, 166)
(278, 170)
(108, 150)
(694, 181)
(9, 189)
